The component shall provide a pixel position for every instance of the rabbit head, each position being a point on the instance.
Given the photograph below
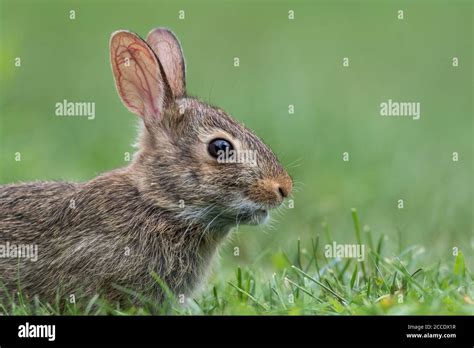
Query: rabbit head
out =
(194, 159)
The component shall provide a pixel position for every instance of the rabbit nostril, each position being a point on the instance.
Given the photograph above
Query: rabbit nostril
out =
(284, 187)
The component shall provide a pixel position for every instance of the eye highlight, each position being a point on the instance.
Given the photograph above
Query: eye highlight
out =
(217, 145)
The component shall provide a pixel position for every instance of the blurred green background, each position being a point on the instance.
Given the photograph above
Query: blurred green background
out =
(282, 62)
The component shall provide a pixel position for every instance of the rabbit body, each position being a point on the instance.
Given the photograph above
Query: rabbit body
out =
(93, 236)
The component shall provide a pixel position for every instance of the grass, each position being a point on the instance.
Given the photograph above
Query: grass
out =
(305, 282)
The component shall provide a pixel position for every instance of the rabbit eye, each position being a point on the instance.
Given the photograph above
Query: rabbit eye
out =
(218, 145)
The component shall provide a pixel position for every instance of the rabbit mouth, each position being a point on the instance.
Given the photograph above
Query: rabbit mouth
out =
(227, 217)
(243, 217)
(257, 217)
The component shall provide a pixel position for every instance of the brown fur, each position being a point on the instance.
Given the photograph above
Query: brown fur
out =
(84, 230)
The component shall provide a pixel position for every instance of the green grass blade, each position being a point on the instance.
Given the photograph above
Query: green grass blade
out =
(459, 265)
(240, 290)
(342, 299)
(355, 219)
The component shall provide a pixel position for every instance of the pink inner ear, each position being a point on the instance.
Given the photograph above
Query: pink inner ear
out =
(137, 75)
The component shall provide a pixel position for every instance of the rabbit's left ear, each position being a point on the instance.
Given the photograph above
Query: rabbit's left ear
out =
(168, 50)
(138, 77)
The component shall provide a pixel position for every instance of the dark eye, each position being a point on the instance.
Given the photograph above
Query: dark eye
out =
(219, 145)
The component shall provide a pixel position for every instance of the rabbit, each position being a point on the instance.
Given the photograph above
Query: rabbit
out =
(166, 213)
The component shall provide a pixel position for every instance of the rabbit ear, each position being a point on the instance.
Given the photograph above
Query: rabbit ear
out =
(168, 50)
(138, 77)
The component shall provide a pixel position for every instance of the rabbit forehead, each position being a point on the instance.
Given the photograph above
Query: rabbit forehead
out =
(211, 122)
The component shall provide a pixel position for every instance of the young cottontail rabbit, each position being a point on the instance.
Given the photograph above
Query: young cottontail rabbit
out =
(167, 212)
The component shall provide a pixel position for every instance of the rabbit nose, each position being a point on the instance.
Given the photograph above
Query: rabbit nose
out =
(271, 191)
(284, 186)
(279, 188)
